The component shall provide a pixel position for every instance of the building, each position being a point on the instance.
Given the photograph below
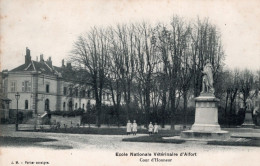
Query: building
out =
(4, 104)
(45, 87)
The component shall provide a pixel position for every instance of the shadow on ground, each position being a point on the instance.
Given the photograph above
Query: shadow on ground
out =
(154, 138)
(7, 141)
(99, 131)
(238, 141)
(233, 141)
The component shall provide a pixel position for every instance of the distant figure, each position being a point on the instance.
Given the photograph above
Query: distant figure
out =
(128, 127)
(255, 113)
(150, 128)
(134, 129)
(207, 80)
(155, 131)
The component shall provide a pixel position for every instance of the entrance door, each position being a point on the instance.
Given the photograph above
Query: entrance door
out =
(47, 105)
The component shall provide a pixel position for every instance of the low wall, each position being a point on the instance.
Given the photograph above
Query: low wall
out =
(69, 121)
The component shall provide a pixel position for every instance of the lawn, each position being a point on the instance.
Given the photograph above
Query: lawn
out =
(249, 141)
(6, 141)
(153, 138)
(101, 131)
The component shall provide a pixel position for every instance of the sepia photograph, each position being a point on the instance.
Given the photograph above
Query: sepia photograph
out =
(129, 82)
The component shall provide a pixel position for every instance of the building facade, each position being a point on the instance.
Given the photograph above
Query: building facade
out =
(44, 87)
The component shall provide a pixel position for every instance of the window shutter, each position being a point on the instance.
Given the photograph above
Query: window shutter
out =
(15, 89)
(23, 87)
(29, 86)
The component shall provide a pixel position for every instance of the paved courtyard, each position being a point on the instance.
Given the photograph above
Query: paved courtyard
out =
(80, 149)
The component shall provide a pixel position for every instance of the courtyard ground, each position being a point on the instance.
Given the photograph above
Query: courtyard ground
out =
(62, 149)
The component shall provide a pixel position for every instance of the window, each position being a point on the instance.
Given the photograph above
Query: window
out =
(76, 105)
(26, 86)
(70, 105)
(83, 94)
(4, 86)
(64, 90)
(70, 91)
(76, 92)
(83, 105)
(88, 106)
(47, 88)
(1, 87)
(88, 93)
(13, 86)
(47, 105)
(93, 94)
(26, 104)
(64, 106)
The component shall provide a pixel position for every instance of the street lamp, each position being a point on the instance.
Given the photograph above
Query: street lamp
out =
(17, 97)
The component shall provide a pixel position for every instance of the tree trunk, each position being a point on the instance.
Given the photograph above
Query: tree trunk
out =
(163, 107)
(147, 104)
(185, 106)
(172, 100)
(98, 113)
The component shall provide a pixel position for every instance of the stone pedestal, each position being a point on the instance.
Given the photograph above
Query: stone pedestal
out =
(248, 122)
(206, 120)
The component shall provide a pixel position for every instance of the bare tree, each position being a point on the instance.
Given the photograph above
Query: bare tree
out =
(206, 44)
(147, 59)
(178, 36)
(158, 65)
(246, 81)
(233, 89)
(125, 35)
(162, 39)
(91, 52)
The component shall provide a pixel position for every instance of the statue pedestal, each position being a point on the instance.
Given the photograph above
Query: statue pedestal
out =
(206, 119)
(248, 122)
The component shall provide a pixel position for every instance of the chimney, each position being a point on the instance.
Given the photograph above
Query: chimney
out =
(27, 56)
(69, 65)
(49, 62)
(62, 63)
(41, 58)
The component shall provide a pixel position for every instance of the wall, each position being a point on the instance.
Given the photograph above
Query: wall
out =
(69, 121)
(38, 88)
(19, 78)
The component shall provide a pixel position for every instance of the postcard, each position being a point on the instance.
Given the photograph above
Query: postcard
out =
(132, 82)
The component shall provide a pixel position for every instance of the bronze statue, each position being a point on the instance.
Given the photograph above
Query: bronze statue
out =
(207, 79)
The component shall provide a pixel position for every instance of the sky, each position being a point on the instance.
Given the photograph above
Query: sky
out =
(50, 27)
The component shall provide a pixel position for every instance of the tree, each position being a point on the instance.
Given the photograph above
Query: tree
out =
(125, 36)
(246, 81)
(155, 65)
(90, 51)
(147, 59)
(206, 44)
(162, 39)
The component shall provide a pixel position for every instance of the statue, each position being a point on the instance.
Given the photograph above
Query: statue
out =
(207, 79)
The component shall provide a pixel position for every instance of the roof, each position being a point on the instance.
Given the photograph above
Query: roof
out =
(44, 67)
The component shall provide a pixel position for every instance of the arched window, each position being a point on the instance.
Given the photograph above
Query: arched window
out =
(76, 105)
(26, 104)
(64, 106)
(70, 105)
(88, 106)
(47, 105)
